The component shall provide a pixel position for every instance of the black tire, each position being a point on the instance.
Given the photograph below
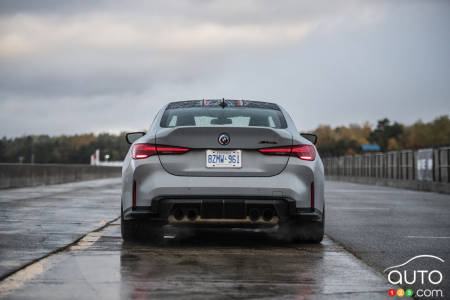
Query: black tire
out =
(306, 232)
(311, 232)
(133, 230)
(127, 229)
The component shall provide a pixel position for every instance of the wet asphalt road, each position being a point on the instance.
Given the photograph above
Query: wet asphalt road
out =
(387, 226)
(376, 224)
(38, 220)
(211, 265)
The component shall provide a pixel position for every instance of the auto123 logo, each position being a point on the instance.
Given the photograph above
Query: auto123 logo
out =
(426, 282)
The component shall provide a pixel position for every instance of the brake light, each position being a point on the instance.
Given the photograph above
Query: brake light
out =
(141, 151)
(276, 151)
(171, 150)
(305, 152)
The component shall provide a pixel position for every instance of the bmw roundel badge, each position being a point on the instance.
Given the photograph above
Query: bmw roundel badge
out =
(224, 139)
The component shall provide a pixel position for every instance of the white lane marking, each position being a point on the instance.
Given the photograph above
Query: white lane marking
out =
(23, 276)
(374, 191)
(360, 208)
(427, 237)
(86, 242)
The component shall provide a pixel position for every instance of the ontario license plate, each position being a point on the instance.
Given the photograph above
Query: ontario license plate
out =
(223, 159)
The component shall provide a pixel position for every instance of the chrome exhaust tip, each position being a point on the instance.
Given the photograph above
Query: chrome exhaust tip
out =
(178, 214)
(254, 214)
(268, 215)
(192, 215)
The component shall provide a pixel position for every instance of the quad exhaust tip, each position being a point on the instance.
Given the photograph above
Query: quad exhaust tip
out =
(192, 215)
(178, 214)
(254, 214)
(268, 214)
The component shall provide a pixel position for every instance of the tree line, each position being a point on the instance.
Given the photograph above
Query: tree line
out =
(347, 140)
(74, 149)
(335, 141)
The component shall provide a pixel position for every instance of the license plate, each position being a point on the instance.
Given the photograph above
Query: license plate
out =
(223, 159)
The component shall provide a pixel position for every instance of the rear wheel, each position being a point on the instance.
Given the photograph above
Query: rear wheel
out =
(133, 230)
(311, 232)
(306, 232)
(303, 231)
(127, 229)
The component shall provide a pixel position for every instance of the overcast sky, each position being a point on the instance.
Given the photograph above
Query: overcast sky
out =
(92, 66)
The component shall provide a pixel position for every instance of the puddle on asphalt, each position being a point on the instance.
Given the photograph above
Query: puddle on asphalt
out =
(206, 265)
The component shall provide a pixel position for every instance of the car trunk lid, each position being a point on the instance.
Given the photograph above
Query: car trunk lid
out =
(201, 139)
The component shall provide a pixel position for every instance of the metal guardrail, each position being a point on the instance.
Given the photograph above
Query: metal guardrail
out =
(421, 165)
(21, 175)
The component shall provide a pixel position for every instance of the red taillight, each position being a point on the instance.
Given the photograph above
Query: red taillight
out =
(141, 151)
(276, 151)
(170, 150)
(312, 195)
(305, 152)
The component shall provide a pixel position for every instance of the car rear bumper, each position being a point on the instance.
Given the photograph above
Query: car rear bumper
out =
(222, 211)
(153, 182)
(158, 193)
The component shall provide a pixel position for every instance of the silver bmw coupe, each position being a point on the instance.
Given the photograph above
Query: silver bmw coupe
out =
(223, 163)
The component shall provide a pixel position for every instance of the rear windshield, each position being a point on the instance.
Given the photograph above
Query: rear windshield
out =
(223, 115)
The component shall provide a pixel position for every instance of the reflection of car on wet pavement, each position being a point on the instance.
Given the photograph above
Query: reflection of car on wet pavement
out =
(223, 163)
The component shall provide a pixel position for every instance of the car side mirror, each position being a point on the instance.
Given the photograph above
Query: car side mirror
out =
(310, 137)
(133, 136)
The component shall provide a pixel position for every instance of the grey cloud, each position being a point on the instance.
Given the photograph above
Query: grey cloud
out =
(44, 6)
(221, 11)
(63, 48)
(109, 65)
